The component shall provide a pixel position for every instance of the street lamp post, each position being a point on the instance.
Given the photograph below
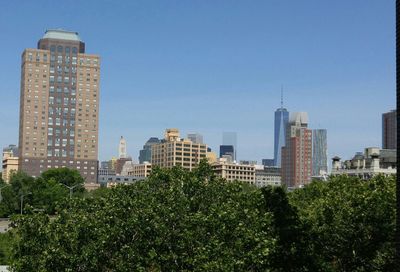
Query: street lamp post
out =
(22, 200)
(71, 189)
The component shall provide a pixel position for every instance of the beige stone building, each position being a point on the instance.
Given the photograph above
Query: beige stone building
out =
(174, 151)
(59, 106)
(233, 171)
(138, 170)
(10, 165)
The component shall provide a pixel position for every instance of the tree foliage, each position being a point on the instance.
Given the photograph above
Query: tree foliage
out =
(194, 221)
(42, 193)
(352, 221)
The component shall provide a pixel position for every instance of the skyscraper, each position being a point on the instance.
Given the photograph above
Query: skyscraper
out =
(145, 153)
(389, 130)
(319, 152)
(281, 121)
(227, 150)
(59, 106)
(296, 154)
(230, 138)
(122, 148)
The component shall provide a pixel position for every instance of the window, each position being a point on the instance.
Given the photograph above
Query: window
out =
(67, 49)
(59, 49)
(53, 48)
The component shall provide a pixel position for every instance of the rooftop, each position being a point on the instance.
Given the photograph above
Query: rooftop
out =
(61, 34)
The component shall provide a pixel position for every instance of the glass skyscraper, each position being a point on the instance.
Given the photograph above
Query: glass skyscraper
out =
(230, 138)
(281, 121)
(319, 149)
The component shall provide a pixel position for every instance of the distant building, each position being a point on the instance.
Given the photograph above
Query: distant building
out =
(196, 138)
(227, 150)
(211, 156)
(319, 150)
(174, 151)
(230, 138)
(145, 153)
(122, 154)
(296, 154)
(113, 180)
(13, 149)
(268, 162)
(139, 170)
(365, 165)
(234, 171)
(246, 162)
(10, 162)
(267, 176)
(280, 122)
(119, 164)
(389, 130)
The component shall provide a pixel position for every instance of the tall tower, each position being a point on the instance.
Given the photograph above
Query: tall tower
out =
(319, 152)
(281, 121)
(122, 148)
(296, 154)
(59, 105)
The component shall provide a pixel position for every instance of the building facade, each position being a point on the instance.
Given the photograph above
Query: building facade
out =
(234, 171)
(389, 130)
(10, 165)
(139, 170)
(174, 151)
(227, 150)
(145, 153)
(373, 161)
(296, 154)
(59, 106)
(319, 152)
(280, 122)
(267, 176)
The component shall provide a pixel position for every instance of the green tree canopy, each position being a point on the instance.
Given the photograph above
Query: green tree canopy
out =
(352, 221)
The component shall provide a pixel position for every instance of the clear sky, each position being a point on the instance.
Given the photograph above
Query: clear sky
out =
(214, 66)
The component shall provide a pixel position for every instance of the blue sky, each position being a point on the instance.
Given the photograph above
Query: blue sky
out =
(214, 66)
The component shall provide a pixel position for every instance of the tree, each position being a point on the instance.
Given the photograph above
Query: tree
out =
(174, 221)
(352, 221)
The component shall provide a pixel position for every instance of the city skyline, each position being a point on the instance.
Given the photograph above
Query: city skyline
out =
(251, 65)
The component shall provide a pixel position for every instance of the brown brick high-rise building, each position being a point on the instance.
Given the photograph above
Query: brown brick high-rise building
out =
(389, 130)
(59, 106)
(297, 152)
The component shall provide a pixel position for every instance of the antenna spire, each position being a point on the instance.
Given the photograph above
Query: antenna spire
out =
(281, 96)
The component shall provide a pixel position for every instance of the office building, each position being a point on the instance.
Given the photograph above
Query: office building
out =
(59, 105)
(234, 171)
(138, 170)
(174, 151)
(196, 138)
(230, 138)
(267, 176)
(122, 154)
(227, 150)
(296, 154)
(280, 125)
(10, 162)
(145, 153)
(319, 152)
(389, 130)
